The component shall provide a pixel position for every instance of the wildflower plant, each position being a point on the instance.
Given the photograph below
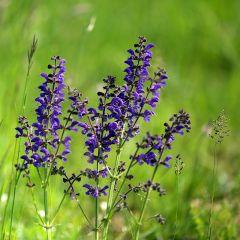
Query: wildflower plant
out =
(106, 129)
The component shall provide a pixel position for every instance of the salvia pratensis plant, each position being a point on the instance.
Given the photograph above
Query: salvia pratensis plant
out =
(106, 129)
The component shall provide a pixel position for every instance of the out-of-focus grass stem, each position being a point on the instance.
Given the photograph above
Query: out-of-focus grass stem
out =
(177, 210)
(214, 171)
(30, 55)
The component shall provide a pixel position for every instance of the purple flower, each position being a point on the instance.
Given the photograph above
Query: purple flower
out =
(165, 161)
(85, 127)
(20, 132)
(147, 114)
(95, 191)
(66, 142)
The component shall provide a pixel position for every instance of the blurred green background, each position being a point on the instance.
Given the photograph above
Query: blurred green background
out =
(197, 42)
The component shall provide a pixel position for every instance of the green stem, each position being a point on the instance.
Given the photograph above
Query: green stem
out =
(177, 209)
(84, 214)
(5, 211)
(125, 177)
(35, 206)
(45, 194)
(17, 176)
(111, 192)
(12, 209)
(144, 207)
(97, 208)
(58, 208)
(136, 237)
(209, 231)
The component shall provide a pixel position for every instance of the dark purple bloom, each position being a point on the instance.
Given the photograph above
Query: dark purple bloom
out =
(165, 162)
(95, 191)
(20, 132)
(66, 142)
(104, 172)
(147, 114)
(85, 127)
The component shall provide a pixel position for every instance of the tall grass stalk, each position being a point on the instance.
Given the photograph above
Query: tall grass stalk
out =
(30, 55)
(177, 210)
(219, 131)
(214, 172)
(8, 194)
(17, 176)
(178, 169)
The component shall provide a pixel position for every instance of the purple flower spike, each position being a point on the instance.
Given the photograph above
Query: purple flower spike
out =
(46, 134)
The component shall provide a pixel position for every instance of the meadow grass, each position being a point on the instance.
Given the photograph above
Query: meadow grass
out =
(197, 42)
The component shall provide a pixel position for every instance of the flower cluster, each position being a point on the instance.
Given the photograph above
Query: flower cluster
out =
(112, 123)
(153, 145)
(120, 107)
(44, 137)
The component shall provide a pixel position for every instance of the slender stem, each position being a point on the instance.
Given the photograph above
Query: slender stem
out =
(12, 209)
(5, 210)
(131, 165)
(136, 237)
(209, 231)
(84, 214)
(39, 175)
(97, 207)
(122, 184)
(111, 192)
(144, 207)
(59, 207)
(35, 206)
(176, 216)
(126, 174)
(17, 176)
(61, 203)
(45, 194)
